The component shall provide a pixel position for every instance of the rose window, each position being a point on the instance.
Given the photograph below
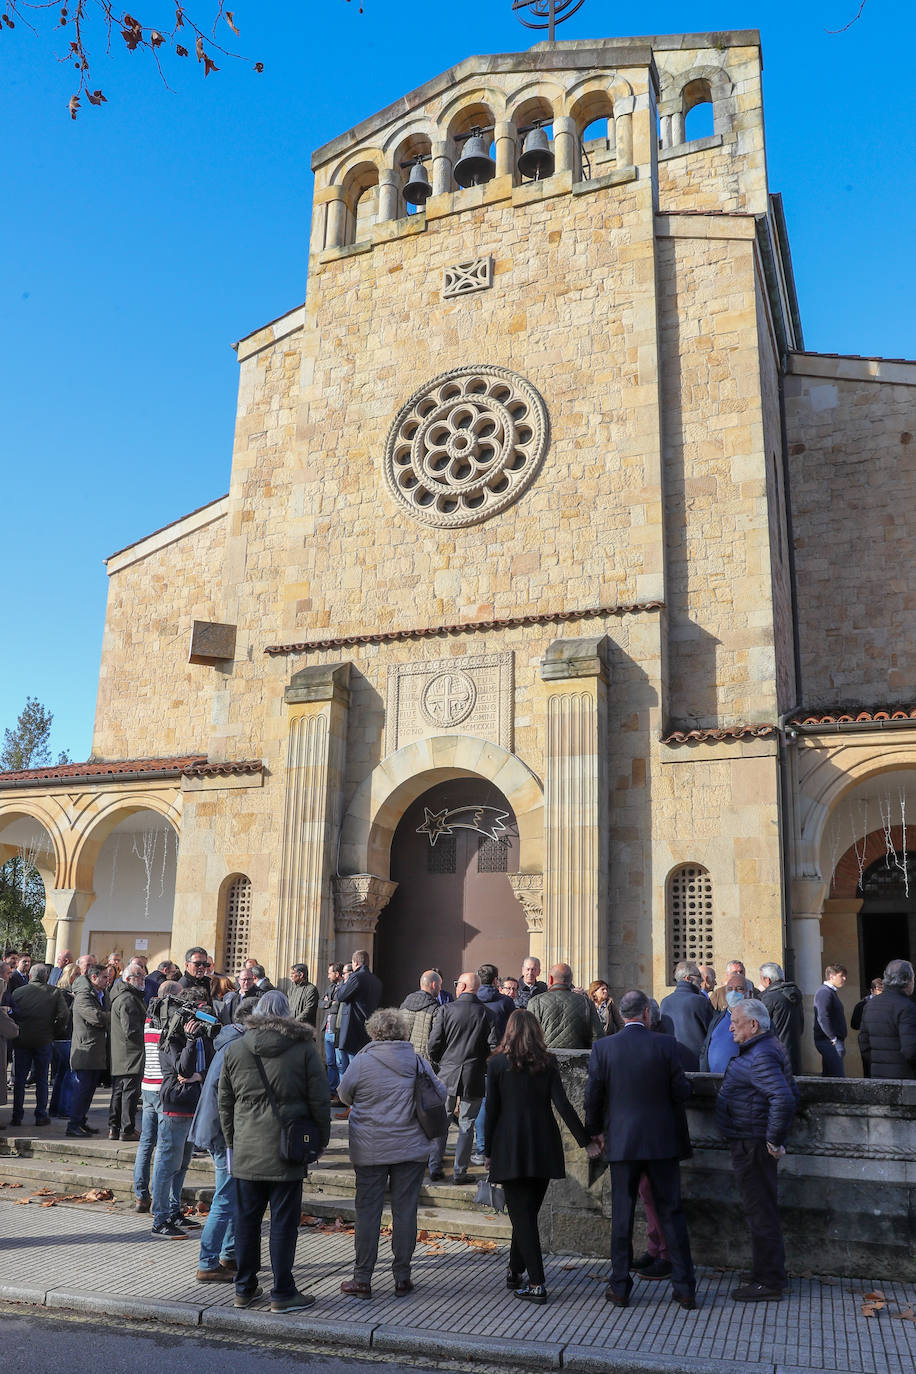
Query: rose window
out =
(466, 445)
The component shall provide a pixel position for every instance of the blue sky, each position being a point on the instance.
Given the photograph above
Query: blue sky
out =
(140, 241)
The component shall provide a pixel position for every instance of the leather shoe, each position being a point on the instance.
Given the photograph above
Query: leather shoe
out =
(143, 1204)
(756, 1292)
(218, 1275)
(686, 1300)
(130, 1135)
(644, 1262)
(42, 1121)
(658, 1269)
(514, 1281)
(113, 1134)
(356, 1290)
(618, 1299)
(402, 1287)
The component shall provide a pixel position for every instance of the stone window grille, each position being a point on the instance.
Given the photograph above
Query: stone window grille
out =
(238, 924)
(689, 916)
(493, 856)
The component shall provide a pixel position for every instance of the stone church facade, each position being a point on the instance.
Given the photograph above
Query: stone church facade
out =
(560, 599)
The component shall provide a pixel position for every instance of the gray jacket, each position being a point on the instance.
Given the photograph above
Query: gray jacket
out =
(206, 1131)
(303, 1002)
(378, 1089)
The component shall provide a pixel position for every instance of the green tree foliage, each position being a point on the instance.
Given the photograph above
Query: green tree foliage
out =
(27, 746)
(22, 905)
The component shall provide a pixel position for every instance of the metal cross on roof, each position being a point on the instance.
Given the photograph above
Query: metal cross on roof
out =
(547, 13)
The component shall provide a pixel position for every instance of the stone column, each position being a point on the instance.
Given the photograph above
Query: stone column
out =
(504, 138)
(807, 907)
(318, 700)
(529, 889)
(389, 194)
(623, 131)
(337, 221)
(566, 146)
(677, 129)
(576, 807)
(442, 168)
(359, 898)
(68, 907)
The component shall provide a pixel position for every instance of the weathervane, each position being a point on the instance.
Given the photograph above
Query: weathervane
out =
(547, 13)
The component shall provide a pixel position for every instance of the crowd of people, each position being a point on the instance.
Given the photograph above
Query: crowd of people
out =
(249, 1074)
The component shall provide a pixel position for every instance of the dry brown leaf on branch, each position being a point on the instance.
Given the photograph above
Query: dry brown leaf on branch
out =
(230, 20)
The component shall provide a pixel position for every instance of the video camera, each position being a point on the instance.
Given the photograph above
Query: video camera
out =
(173, 1013)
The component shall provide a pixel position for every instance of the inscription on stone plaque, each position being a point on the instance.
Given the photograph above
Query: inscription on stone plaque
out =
(472, 696)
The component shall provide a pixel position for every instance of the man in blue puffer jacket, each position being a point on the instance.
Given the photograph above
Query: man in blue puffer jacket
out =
(754, 1110)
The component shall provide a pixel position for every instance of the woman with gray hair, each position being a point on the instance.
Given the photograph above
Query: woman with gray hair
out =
(388, 1146)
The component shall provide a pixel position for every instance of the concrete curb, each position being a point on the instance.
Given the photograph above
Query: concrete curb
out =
(258, 1321)
(18, 1292)
(177, 1313)
(589, 1359)
(410, 1340)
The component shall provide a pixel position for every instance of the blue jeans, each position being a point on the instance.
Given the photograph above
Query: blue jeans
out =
(149, 1131)
(330, 1059)
(23, 1062)
(85, 1082)
(479, 1141)
(217, 1240)
(60, 1068)
(173, 1155)
(343, 1061)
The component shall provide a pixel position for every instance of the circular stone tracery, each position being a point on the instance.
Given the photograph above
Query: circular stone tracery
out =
(466, 445)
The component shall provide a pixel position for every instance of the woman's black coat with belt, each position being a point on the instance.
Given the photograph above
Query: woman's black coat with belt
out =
(521, 1132)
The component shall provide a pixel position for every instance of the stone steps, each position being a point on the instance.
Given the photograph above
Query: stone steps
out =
(74, 1166)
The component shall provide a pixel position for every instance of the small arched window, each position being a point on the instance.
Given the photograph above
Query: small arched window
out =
(236, 942)
(689, 917)
(699, 116)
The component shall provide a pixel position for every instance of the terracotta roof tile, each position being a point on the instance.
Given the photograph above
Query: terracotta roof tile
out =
(853, 715)
(727, 732)
(176, 765)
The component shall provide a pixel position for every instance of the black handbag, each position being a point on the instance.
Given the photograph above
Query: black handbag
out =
(428, 1105)
(300, 1138)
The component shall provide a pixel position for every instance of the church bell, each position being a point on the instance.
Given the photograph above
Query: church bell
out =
(537, 159)
(418, 190)
(475, 165)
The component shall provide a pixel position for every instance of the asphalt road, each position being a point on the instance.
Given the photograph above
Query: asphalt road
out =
(44, 1344)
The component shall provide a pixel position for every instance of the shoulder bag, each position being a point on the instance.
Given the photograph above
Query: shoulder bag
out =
(300, 1138)
(428, 1105)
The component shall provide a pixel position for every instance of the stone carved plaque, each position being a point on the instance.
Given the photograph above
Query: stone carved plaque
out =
(466, 277)
(472, 696)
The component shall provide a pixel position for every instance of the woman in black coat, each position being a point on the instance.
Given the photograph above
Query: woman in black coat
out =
(523, 1145)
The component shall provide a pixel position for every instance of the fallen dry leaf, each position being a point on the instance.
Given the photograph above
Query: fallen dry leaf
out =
(4, 1184)
(906, 1314)
(877, 1296)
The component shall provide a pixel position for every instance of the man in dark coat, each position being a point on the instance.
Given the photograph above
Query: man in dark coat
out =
(786, 1005)
(754, 1110)
(888, 1033)
(687, 1012)
(196, 975)
(499, 1006)
(875, 989)
(634, 1109)
(358, 999)
(327, 1025)
(462, 1036)
(302, 996)
(241, 1001)
(530, 984)
(830, 1028)
(163, 972)
(40, 1012)
(568, 1018)
(89, 1044)
(128, 1014)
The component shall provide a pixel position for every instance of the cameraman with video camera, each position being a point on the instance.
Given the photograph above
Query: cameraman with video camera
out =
(185, 1052)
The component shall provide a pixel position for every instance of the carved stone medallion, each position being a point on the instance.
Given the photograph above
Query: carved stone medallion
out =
(466, 445)
(448, 699)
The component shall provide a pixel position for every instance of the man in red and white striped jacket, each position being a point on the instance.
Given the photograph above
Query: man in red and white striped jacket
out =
(152, 1080)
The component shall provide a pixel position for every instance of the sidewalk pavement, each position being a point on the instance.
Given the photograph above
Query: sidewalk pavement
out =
(89, 1258)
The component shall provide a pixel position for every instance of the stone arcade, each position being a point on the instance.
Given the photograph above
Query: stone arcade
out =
(560, 600)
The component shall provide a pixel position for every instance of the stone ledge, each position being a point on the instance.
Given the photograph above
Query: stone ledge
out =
(696, 145)
(618, 177)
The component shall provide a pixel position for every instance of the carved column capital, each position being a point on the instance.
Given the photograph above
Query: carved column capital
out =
(358, 900)
(529, 890)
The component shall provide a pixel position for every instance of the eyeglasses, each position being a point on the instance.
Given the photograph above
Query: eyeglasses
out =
(199, 963)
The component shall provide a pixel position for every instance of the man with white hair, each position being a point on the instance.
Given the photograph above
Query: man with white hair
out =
(754, 1110)
(888, 1033)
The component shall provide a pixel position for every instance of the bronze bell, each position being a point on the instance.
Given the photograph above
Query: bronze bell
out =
(537, 160)
(475, 164)
(418, 190)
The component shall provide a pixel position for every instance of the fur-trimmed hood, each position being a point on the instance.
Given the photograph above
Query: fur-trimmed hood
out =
(269, 1036)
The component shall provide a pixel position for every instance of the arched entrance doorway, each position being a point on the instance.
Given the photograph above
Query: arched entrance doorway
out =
(454, 908)
(887, 918)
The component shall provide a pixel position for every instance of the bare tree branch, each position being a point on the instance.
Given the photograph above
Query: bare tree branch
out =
(853, 20)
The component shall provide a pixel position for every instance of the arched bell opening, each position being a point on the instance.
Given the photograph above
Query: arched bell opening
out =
(534, 139)
(593, 115)
(472, 135)
(454, 907)
(413, 174)
(697, 110)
